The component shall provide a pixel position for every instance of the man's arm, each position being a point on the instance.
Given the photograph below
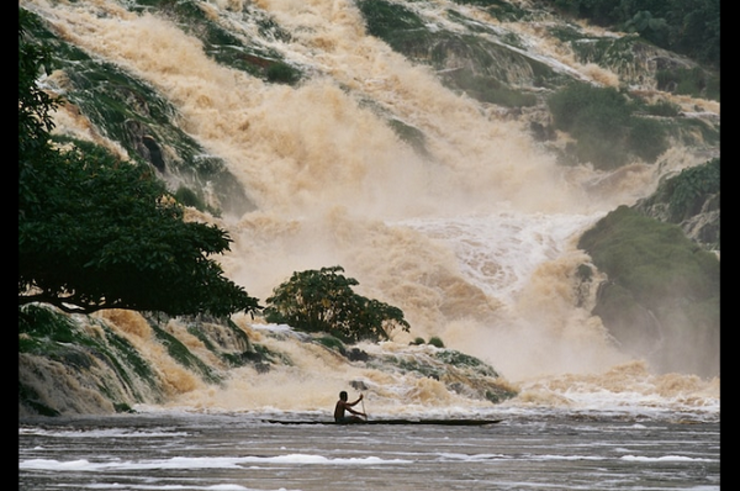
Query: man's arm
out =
(358, 413)
(349, 405)
(353, 403)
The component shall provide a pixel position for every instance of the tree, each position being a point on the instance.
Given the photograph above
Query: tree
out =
(323, 301)
(690, 27)
(95, 232)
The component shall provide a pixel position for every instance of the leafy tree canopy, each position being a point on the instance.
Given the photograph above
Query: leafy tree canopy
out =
(95, 232)
(323, 301)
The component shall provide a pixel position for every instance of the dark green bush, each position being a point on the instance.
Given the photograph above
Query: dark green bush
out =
(663, 108)
(436, 342)
(570, 104)
(689, 27)
(322, 301)
(647, 139)
(691, 187)
(187, 197)
(601, 121)
(689, 81)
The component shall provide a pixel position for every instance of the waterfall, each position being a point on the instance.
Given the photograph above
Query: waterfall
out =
(436, 202)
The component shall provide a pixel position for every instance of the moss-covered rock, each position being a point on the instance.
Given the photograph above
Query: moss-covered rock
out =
(479, 63)
(132, 113)
(690, 200)
(67, 365)
(460, 373)
(661, 299)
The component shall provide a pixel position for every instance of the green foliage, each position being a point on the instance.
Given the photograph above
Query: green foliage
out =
(691, 187)
(647, 138)
(188, 197)
(606, 51)
(95, 232)
(486, 89)
(323, 301)
(34, 104)
(436, 342)
(433, 341)
(584, 272)
(461, 360)
(689, 81)
(664, 108)
(650, 258)
(654, 29)
(597, 118)
(689, 27)
(662, 287)
(687, 192)
(576, 104)
(607, 132)
(680, 199)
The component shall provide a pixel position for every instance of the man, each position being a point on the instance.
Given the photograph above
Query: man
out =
(343, 405)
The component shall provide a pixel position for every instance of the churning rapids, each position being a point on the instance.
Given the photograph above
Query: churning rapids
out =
(238, 453)
(475, 240)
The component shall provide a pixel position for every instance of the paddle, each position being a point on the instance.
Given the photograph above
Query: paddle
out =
(363, 406)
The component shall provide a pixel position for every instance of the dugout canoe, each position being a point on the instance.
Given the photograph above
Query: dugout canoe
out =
(396, 421)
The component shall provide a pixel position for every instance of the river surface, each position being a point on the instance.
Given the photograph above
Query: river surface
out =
(529, 450)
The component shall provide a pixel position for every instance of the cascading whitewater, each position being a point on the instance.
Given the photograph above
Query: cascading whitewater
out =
(474, 240)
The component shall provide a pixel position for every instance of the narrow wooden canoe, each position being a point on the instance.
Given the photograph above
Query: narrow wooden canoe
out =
(402, 421)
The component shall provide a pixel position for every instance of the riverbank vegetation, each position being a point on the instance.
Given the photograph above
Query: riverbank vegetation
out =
(689, 27)
(96, 232)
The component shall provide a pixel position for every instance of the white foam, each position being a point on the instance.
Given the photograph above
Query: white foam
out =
(666, 458)
(85, 465)
(101, 433)
(175, 487)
